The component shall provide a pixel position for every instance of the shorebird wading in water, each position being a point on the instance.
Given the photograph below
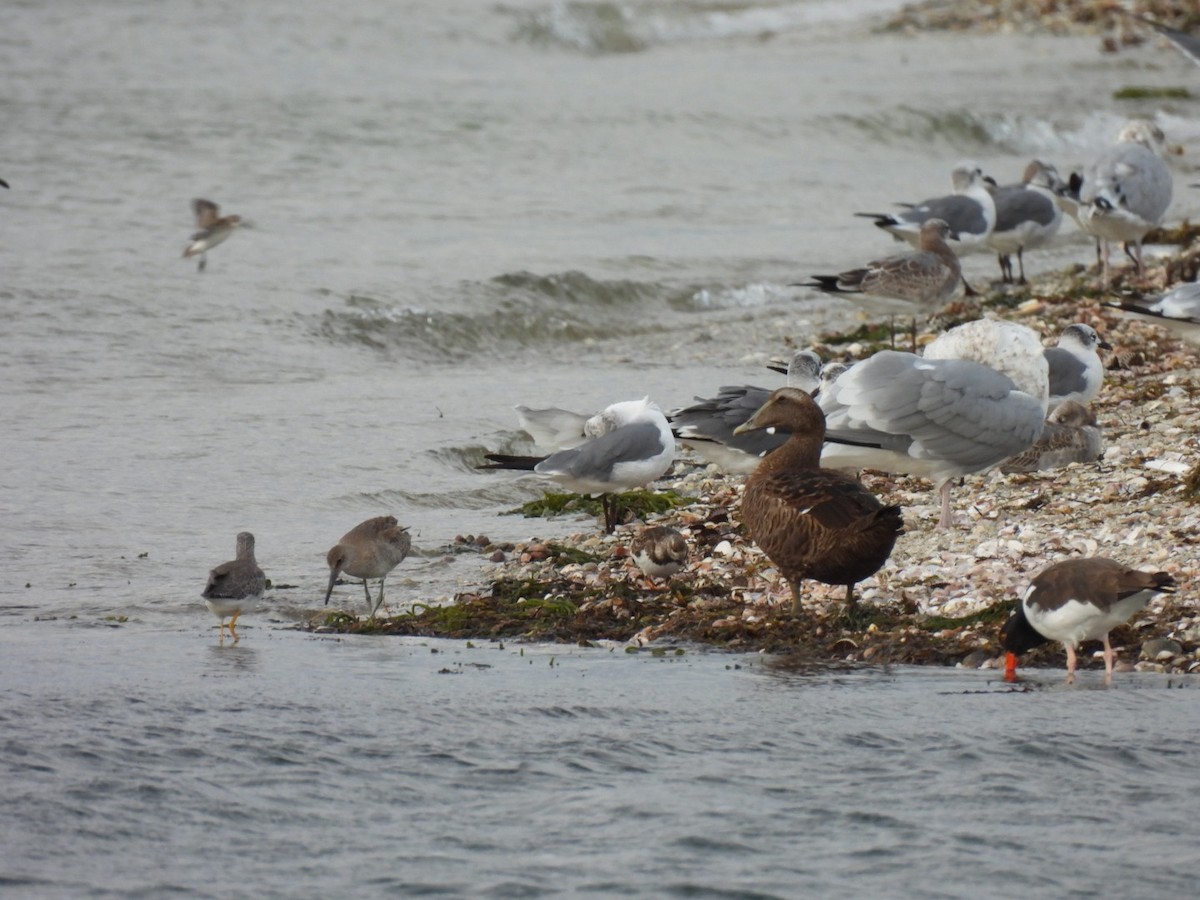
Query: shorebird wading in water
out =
(235, 587)
(369, 550)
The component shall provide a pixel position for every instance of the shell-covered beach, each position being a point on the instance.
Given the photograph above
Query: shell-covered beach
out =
(941, 597)
(451, 208)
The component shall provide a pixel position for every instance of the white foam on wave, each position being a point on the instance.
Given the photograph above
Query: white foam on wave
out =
(627, 27)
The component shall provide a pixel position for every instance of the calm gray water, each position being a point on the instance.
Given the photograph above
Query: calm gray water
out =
(152, 764)
(458, 207)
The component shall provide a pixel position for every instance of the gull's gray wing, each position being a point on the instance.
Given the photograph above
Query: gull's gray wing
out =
(1132, 177)
(1016, 204)
(1068, 374)
(594, 461)
(955, 411)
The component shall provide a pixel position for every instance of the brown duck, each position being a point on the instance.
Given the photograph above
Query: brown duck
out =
(813, 522)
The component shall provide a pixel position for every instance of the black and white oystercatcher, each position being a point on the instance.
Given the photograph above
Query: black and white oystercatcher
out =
(1078, 600)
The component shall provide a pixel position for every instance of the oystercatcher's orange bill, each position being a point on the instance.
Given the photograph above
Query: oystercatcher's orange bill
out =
(1010, 667)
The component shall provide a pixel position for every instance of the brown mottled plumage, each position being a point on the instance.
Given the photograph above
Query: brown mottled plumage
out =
(235, 587)
(369, 550)
(1071, 434)
(928, 276)
(659, 551)
(813, 522)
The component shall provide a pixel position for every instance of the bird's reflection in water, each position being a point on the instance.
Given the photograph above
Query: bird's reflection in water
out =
(230, 657)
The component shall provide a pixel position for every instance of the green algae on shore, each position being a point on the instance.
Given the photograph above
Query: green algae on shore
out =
(585, 589)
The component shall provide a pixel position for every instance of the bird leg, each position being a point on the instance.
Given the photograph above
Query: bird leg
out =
(232, 623)
(947, 517)
(202, 263)
(1005, 268)
(1021, 264)
(609, 504)
(1070, 664)
(1135, 255)
(797, 608)
(852, 613)
(1109, 659)
(373, 607)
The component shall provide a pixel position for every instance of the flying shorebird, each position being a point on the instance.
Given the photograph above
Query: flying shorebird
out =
(213, 230)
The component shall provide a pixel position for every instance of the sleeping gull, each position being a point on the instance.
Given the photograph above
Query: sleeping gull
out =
(561, 429)
(809, 521)
(555, 428)
(1027, 217)
(1178, 310)
(1011, 349)
(1070, 435)
(928, 277)
(235, 587)
(631, 455)
(982, 402)
(970, 211)
(369, 550)
(1076, 372)
(1123, 193)
(709, 426)
(213, 230)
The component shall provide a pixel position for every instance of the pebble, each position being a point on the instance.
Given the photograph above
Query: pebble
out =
(1160, 649)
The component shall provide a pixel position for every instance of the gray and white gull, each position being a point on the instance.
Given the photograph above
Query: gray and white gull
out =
(1027, 217)
(1177, 310)
(1076, 370)
(970, 211)
(708, 426)
(639, 449)
(1123, 192)
(940, 418)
